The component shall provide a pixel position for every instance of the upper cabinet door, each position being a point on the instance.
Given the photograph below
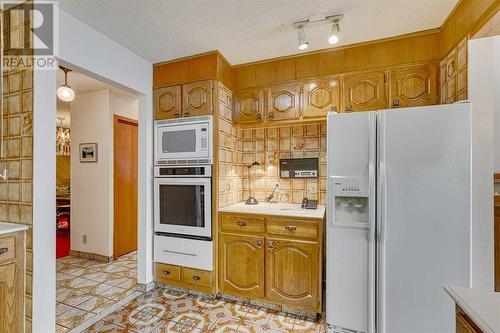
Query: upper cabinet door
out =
(283, 102)
(365, 92)
(320, 97)
(197, 98)
(167, 102)
(414, 86)
(249, 106)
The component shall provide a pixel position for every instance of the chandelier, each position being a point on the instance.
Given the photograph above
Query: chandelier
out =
(63, 140)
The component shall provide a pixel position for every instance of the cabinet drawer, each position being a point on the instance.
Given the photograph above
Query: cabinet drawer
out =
(292, 228)
(196, 276)
(167, 272)
(183, 252)
(7, 248)
(245, 224)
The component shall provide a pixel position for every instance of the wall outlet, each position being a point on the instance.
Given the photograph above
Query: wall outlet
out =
(312, 188)
(84, 239)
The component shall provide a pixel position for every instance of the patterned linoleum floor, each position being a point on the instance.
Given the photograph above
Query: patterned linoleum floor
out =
(88, 289)
(163, 310)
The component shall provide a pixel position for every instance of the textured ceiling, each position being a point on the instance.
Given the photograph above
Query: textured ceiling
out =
(248, 30)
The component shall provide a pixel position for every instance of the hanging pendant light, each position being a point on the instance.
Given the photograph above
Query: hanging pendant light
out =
(64, 92)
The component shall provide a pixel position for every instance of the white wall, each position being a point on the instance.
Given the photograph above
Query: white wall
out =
(92, 53)
(484, 91)
(92, 197)
(90, 191)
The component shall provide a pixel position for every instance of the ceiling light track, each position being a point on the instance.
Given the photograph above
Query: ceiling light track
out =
(322, 18)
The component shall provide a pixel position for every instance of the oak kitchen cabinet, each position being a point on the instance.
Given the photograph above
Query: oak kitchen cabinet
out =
(283, 102)
(249, 106)
(12, 261)
(275, 259)
(365, 91)
(320, 97)
(187, 100)
(414, 86)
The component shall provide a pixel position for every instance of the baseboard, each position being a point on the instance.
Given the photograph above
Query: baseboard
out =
(92, 256)
(142, 287)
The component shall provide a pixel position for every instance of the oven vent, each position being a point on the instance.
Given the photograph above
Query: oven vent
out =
(183, 162)
(182, 120)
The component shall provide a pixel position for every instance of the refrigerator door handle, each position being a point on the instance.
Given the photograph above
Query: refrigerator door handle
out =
(382, 203)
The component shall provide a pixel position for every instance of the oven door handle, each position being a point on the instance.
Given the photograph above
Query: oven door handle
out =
(181, 253)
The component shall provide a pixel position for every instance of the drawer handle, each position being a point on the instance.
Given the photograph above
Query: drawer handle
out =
(258, 243)
(270, 245)
(291, 228)
(196, 278)
(241, 223)
(166, 272)
(4, 250)
(181, 253)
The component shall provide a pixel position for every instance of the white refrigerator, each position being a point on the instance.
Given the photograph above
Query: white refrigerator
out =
(398, 218)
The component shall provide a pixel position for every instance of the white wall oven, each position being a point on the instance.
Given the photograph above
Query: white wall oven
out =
(184, 141)
(182, 201)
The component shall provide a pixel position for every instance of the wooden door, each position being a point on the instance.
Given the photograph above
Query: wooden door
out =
(283, 101)
(167, 102)
(11, 315)
(365, 92)
(197, 98)
(249, 106)
(414, 86)
(125, 186)
(292, 273)
(241, 265)
(320, 97)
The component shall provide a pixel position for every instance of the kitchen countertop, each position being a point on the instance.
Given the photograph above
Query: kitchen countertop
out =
(6, 228)
(277, 209)
(481, 306)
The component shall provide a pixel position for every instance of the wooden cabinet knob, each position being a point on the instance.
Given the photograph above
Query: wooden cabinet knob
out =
(186, 113)
(196, 278)
(258, 243)
(166, 272)
(176, 115)
(4, 250)
(271, 115)
(270, 245)
(291, 228)
(258, 116)
(395, 103)
(241, 223)
(348, 108)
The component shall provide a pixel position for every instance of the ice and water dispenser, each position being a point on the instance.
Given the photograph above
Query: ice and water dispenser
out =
(351, 196)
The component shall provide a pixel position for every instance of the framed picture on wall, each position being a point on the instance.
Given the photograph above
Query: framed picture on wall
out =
(88, 152)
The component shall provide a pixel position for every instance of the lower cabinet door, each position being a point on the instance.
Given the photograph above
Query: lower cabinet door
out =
(292, 273)
(11, 312)
(241, 270)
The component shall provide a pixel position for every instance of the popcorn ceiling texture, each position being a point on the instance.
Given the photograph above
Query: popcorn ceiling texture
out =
(16, 199)
(239, 148)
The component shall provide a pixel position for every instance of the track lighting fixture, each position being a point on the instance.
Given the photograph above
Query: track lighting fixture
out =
(65, 92)
(301, 35)
(322, 18)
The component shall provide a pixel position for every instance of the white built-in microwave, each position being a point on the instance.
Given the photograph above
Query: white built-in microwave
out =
(184, 141)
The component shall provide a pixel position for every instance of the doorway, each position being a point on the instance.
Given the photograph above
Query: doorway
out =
(125, 185)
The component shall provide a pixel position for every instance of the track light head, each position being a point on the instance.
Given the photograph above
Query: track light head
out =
(301, 36)
(334, 36)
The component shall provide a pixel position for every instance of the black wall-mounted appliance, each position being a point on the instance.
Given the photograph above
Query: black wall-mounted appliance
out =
(299, 167)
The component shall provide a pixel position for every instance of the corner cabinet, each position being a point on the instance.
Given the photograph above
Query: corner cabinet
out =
(274, 259)
(12, 261)
(187, 100)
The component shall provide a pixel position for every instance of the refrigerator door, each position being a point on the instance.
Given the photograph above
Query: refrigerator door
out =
(424, 226)
(350, 287)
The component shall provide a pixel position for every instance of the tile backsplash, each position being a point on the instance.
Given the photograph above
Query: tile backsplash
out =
(267, 146)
